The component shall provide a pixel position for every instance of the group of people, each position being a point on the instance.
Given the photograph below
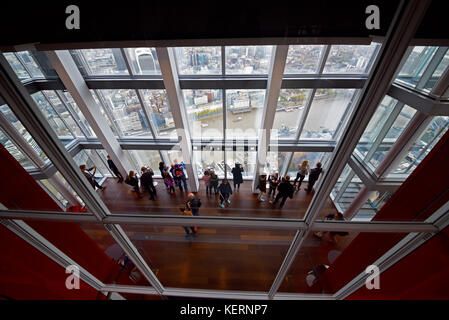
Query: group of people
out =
(224, 189)
(284, 187)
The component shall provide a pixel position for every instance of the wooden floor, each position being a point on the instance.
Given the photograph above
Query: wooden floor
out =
(217, 258)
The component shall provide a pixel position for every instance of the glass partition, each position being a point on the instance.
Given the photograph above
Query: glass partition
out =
(198, 60)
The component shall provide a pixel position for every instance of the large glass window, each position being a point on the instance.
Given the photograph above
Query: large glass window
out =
(415, 65)
(30, 64)
(205, 113)
(102, 61)
(78, 115)
(421, 147)
(350, 59)
(289, 112)
(208, 159)
(246, 159)
(248, 59)
(376, 124)
(244, 110)
(61, 109)
(328, 109)
(11, 117)
(127, 112)
(395, 131)
(146, 158)
(59, 127)
(15, 64)
(299, 157)
(160, 112)
(82, 157)
(15, 152)
(303, 59)
(198, 60)
(143, 61)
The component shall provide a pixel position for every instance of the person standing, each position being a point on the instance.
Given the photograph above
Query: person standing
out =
(302, 172)
(175, 178)
(285, 190)
(274, 181)
(213, 182)
(194, 203)
(114, 169)
(186, 211)
(163, 168)
(206, 179)
(168, 180)
(91, 176)
(237, 176)
(133, 181)
(225, 191)
(262, 186)
(180, 175)
(313, 176)
(146, 181)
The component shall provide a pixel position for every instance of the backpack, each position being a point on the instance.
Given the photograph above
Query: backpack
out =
(179, 173)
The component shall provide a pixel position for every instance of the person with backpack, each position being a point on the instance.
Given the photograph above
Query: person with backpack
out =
(213, 182)
(237, 176)
(180, 175)
(194, 203)
(262, 186)
(163, 168)
(273, 181)
(313, 176)
(225, 191)
(285, 190)
(302, 172)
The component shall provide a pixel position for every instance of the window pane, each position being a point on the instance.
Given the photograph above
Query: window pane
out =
(244, 110)
(198, 60)
(350, 58)
(205, 113)
(299, 157)
(103, 61)
(63, 112)
(147, 158)
(15, 64)
(83, 158)
(395, 131)
(11, 117)
(105, 111)
(421, 148)
(54, 193)
(303, 59)
(144, 61)
(79, 116)
(289, 111)
(99, 163)
(327, 111)
(376, 123)
(209, 159)
(248, 59)
(15, 152)
(247, 160)
(416, 64)
(31, 65)
(127, 112)
(160, 112)
(53, 119)
(438, 72)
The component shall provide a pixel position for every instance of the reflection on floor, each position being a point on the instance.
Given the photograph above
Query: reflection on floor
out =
(219, 258)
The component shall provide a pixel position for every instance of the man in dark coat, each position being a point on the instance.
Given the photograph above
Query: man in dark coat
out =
(225, 191)
(313, 176)
(146, 180)
(237, 176)
(285, 190)
(114, 169)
